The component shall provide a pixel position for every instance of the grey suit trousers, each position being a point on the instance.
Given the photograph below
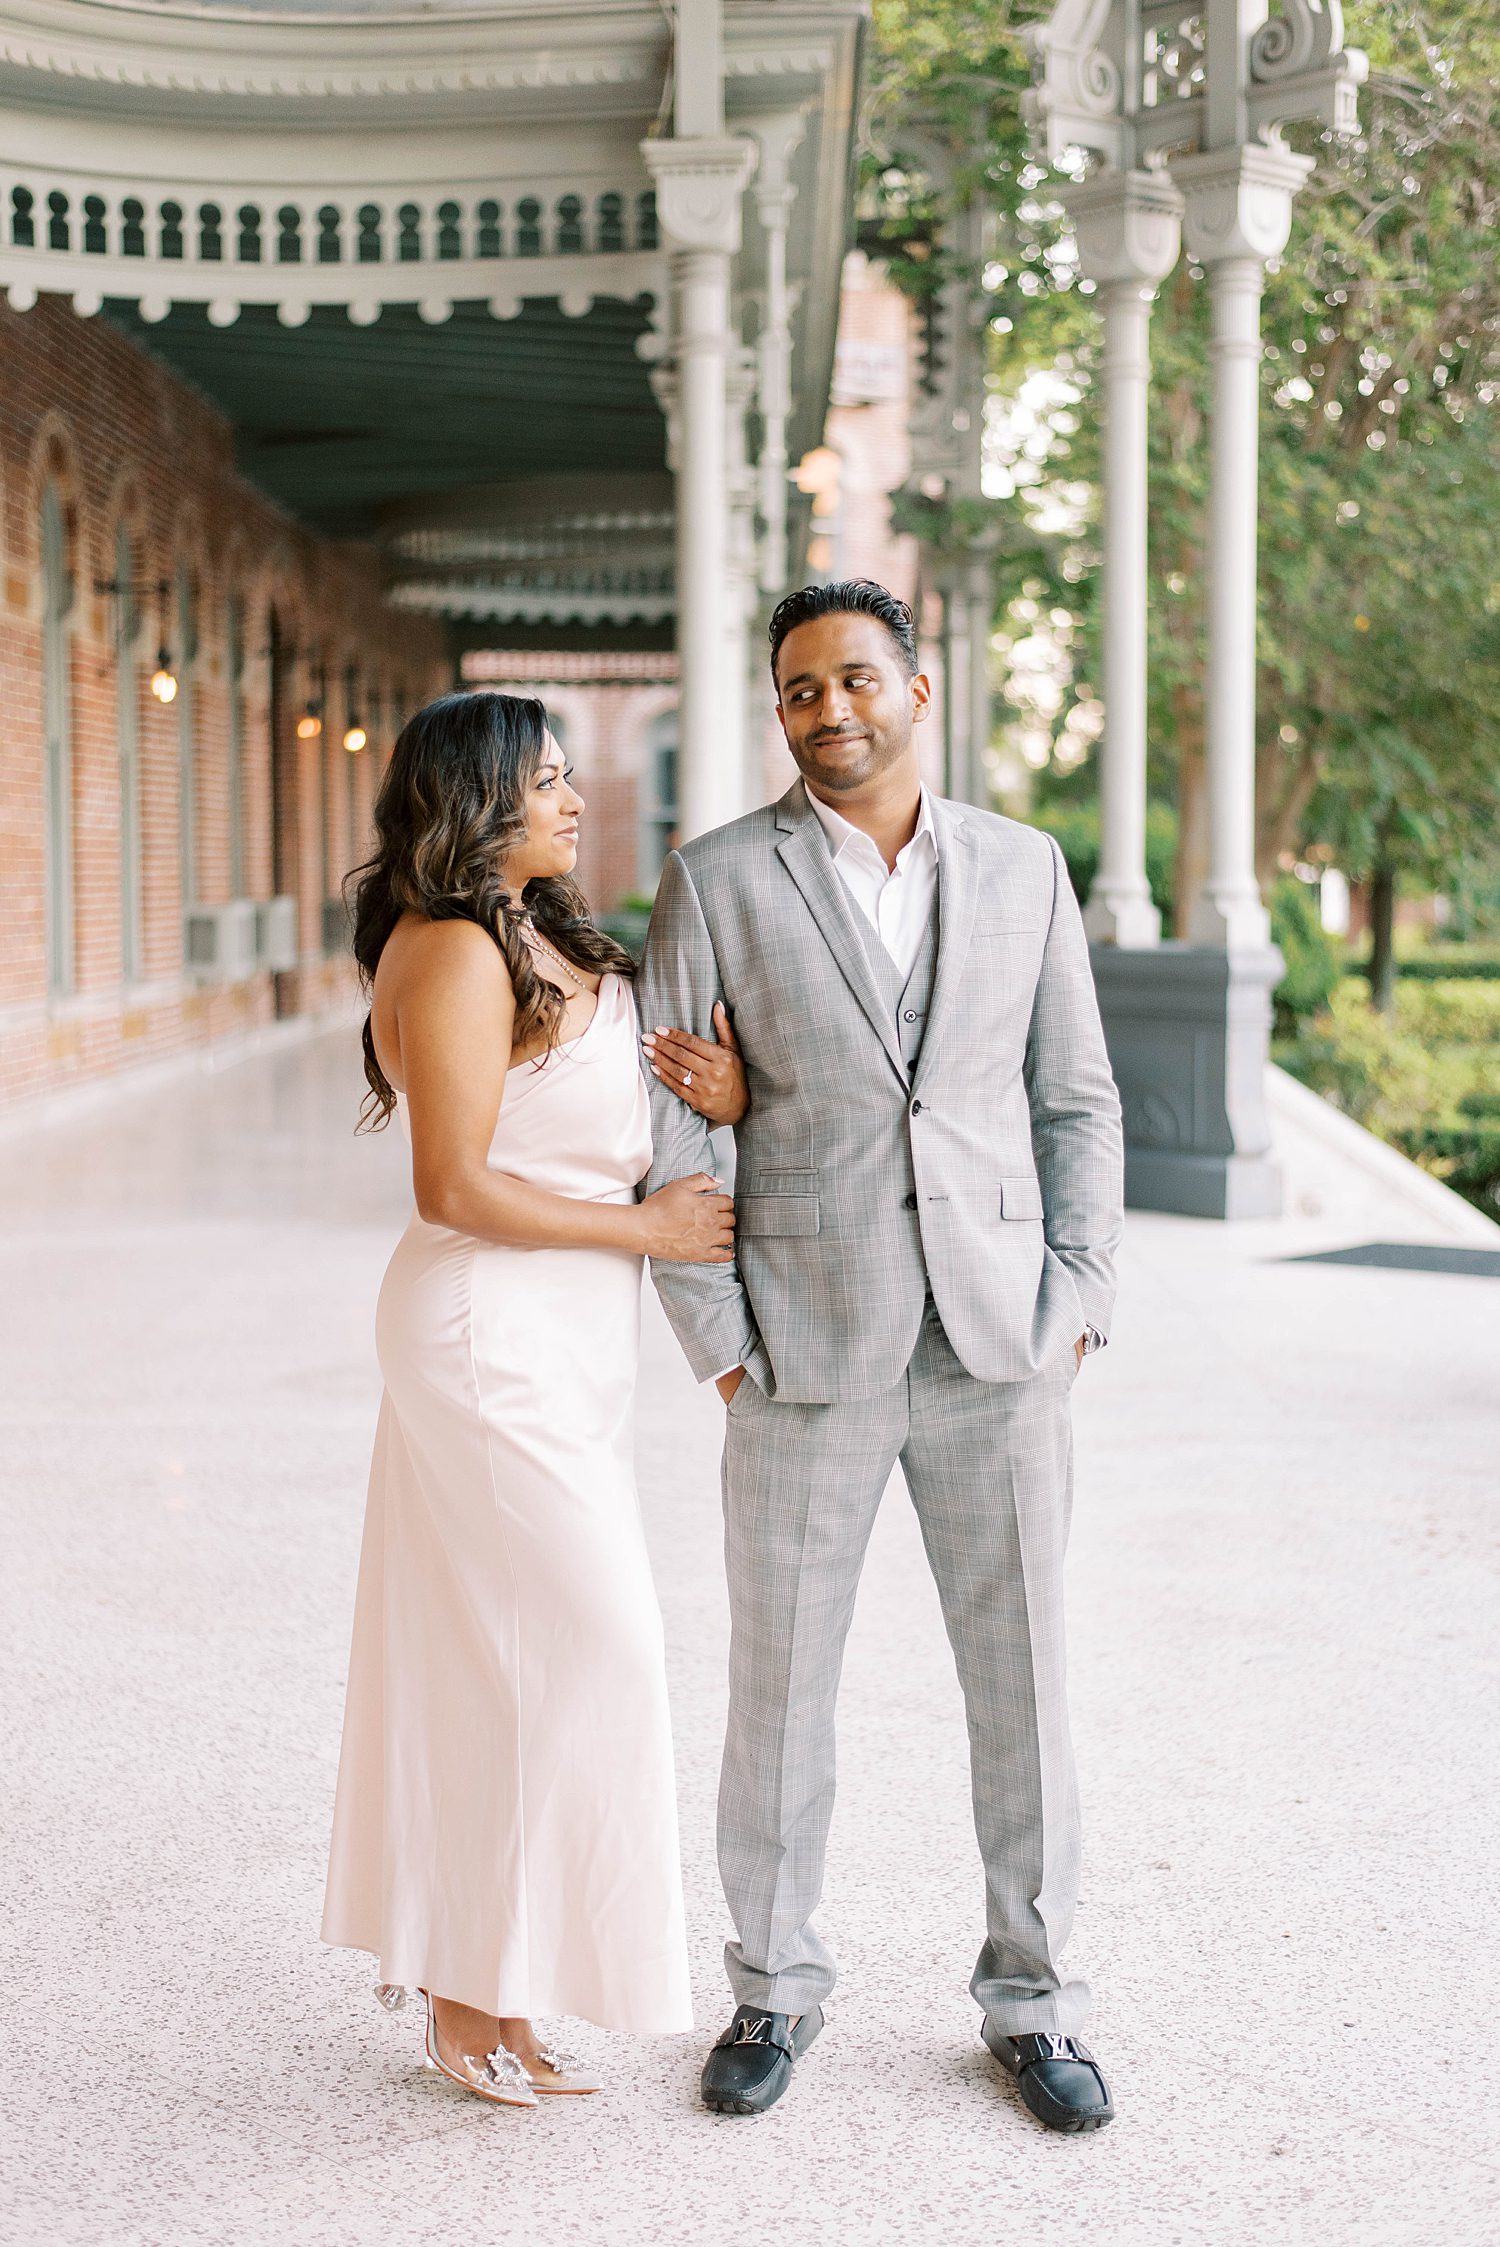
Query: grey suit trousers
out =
(989, 1468)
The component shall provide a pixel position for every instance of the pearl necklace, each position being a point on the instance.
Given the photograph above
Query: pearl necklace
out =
(539, 944)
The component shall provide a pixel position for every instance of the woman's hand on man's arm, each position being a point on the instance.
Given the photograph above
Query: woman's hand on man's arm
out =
(708, 1075)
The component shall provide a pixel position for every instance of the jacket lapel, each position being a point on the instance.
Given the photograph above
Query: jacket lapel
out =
(803, 849)
(958, 895)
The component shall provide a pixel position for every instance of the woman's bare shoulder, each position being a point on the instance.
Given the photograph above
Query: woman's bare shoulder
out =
(419, 951)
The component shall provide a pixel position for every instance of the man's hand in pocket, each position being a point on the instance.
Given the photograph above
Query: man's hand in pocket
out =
(727, 1383)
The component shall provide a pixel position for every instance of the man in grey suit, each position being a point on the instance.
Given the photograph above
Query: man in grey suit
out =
(927, 1199)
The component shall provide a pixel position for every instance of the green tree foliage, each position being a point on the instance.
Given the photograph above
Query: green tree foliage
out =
(1380, 636)
(943, 125)
(1379, 643)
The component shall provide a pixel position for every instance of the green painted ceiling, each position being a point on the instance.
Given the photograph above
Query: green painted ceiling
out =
(337, 422)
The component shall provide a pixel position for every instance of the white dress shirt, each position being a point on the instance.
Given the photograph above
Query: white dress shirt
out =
(895, 900)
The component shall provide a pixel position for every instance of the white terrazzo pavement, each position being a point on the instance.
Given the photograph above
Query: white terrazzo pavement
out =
(1285, 1669)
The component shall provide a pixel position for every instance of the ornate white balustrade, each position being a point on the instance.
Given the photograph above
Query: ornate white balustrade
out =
(294, 246)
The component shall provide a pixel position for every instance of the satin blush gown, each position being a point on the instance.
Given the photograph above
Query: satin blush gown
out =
(505, 1829)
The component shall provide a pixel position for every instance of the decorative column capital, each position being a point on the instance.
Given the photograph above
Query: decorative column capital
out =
(699, 183)
(1239, 201)
(773, 205)
(1128, 226)
(777, 139)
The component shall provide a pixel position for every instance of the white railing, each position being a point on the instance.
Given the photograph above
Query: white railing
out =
(295, 247)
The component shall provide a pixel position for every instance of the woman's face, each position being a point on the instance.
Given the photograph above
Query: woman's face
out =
(553, 807)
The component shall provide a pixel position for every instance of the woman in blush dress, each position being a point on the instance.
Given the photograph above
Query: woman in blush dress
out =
(505, 1831)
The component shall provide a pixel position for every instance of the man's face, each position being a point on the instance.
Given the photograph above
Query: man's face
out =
(845, 700)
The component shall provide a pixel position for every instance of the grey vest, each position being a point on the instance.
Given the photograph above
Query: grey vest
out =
(910, 1001)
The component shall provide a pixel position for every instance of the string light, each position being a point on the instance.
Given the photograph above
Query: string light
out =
(309, 725)
(164, 678)
(356, 737)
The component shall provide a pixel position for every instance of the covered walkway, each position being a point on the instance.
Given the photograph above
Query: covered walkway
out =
(1283, 1625)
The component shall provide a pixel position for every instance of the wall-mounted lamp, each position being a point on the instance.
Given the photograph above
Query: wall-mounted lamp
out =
(130, 593)
(355, 737)
(310, 724)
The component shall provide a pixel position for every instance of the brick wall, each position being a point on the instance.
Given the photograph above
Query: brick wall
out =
(126, 443)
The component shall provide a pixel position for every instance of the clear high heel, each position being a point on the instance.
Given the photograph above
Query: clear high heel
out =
(498, 2076)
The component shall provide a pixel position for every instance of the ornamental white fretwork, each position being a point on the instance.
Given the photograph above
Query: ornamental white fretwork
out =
(535, 597)
(1127, 82)
(945, 417)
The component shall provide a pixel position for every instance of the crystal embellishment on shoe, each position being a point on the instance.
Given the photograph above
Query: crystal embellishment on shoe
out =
(568, 2074)
(506, 2074)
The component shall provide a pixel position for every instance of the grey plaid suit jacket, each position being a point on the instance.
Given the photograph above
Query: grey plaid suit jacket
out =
(991, 1175)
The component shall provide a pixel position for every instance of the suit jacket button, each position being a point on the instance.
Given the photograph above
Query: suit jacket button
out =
(916, 1107)
(910, 1202)
(909, 1016)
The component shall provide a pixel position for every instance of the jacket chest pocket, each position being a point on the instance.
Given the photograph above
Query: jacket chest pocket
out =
(779, 1202)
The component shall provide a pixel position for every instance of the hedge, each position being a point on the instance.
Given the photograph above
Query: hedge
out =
(1457, 963)
(1426, 1080)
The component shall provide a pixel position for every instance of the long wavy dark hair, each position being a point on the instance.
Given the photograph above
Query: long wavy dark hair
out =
(451, 806)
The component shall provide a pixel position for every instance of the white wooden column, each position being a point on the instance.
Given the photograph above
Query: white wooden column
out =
(1239, 213)
(777, 139)
(700, 179)
(979, 599)
(740, 590)
(958, 699)
(1128, 230)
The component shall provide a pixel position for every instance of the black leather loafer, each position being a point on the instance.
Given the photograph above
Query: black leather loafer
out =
(751, 2065)
(1059, 2078)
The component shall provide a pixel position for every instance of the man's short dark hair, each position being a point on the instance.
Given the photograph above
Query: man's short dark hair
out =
(848, 596)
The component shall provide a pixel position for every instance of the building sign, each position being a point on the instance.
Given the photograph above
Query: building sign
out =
(868, 374)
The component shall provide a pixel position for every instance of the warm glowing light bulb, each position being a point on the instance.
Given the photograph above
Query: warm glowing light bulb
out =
(819, 470)
(309, 726)
(164, 679)
(355, 739)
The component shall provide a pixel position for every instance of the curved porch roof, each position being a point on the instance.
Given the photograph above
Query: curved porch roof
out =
(413, 254)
